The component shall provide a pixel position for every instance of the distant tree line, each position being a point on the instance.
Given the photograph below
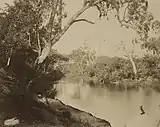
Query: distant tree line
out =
(115, 72)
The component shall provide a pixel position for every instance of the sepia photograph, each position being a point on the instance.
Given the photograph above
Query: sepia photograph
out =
(79, 63)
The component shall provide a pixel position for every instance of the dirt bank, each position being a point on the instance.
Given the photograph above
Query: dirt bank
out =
(61, 115)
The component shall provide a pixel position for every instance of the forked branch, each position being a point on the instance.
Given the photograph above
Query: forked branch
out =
(72, 19)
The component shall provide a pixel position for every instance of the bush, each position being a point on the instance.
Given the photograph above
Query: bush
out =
(22, 82)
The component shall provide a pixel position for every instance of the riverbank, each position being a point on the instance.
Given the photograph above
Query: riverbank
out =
(119, 107)
(126, 84)
(66, 116)
(116, 73)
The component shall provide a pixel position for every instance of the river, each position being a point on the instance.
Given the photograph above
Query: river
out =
(117, 107)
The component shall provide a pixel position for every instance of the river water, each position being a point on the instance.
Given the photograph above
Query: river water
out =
(117, 107)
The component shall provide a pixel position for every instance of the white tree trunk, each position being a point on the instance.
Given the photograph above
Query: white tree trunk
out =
(133, 64)
(130, 57)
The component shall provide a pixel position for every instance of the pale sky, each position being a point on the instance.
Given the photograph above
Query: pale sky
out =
(104, 36)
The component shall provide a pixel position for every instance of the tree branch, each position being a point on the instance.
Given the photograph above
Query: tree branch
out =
(72, 19)
(60, 13)
(29, 39)
(29, 42)
(124, 15)
(130, 57)
(70, 22)
(55, 39)
(85, 20)
(122, 21)
(53, 14)
(39, 45)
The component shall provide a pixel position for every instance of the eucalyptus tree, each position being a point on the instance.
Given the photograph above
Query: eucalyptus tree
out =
(38, 23)
(84, 59)
(29, 29)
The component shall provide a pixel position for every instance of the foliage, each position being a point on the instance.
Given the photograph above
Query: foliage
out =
(22, 83)
(83, 56)
(150, 66)
(27, 24)
(119, 74)
(153, 45)
(24, 33)
(30, 28)
(83, 59)
(40, 21)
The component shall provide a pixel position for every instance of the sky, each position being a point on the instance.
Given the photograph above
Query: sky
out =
(104, 36)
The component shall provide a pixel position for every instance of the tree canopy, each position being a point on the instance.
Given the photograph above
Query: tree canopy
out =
(39, 23)
(30, 28)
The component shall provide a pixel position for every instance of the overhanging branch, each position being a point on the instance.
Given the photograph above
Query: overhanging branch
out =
(84, 20)
(55, 39)
(123, 22)
(67, 26)
(72, 19)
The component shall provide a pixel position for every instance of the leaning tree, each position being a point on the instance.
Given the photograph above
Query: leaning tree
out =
(30, 28)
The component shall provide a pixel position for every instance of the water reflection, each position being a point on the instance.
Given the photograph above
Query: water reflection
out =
(117, 107)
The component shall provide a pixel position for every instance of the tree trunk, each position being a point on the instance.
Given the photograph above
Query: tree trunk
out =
(133, 65)
(130, 57)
